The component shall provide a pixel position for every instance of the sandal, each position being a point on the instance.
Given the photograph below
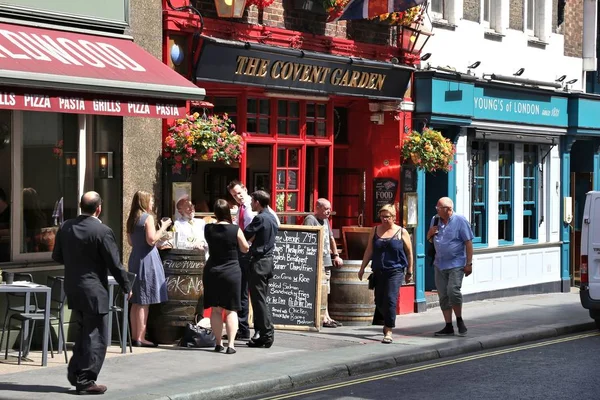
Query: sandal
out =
(329, 324)
(387, 339)
(337, 323)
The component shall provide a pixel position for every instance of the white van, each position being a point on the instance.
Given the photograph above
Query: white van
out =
(589, 292)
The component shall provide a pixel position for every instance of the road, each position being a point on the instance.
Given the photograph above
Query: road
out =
(563, 368)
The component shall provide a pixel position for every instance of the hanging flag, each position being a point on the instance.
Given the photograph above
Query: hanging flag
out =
(368, 9)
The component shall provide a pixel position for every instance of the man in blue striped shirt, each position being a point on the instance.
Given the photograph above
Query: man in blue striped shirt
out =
(452, 237)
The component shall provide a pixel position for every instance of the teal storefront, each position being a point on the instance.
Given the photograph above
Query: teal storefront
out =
(508, 163)
(581, 171)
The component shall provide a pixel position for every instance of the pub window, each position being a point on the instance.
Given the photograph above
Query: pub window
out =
(226, 105)
(315, 119)
(479, 157)
(49, 194)
(288, 173)
(505, 195)
(288, 118)
(530, 162)
(258, 116)
(5, 184)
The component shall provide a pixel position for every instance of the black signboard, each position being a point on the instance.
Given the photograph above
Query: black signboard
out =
(297, 70)
(409, 178)
(294, 294)
(384, 192)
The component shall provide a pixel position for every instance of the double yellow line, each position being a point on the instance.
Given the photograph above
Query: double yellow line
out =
(429, 366)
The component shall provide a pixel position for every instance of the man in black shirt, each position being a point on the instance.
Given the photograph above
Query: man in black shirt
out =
(261, 232)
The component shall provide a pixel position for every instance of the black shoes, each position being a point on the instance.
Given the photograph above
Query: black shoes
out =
(230, 350)
(256, 336)
(447, 331)
(462, 328)
(261, 343)
(92, 389)
(219, 348)
(136, 343)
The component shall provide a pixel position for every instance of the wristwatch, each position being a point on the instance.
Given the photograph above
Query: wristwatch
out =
(335, 255)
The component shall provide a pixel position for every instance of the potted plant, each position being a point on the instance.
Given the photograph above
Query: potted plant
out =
(428, 150)
(210, 138)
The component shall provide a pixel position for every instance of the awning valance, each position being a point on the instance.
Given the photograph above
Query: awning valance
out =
(59, 71)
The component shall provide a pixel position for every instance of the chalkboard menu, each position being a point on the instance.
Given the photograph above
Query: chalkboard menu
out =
(294, 294)
(384, 192)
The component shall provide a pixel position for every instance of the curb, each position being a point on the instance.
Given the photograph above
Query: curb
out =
(310, 377)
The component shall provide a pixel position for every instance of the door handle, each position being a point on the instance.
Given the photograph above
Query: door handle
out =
(360, 219)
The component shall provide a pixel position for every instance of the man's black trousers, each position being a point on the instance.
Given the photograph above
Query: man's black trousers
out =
(89, 349)
(261, 271)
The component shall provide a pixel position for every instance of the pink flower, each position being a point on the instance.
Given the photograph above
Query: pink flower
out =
(178, 159)
(167, 155)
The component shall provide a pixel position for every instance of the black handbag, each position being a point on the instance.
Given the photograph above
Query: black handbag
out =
(372, 281)
(197, 336)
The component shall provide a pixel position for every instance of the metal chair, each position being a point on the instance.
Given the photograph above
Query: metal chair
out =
(57, 304)
(56, 296)
(117, 309)
(15, 303)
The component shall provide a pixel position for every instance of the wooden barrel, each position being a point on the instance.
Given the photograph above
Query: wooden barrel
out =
(183, 274)
(351, 301)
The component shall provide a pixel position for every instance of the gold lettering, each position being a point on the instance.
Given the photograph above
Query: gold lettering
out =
(364, 79)
(252, 66)
(315, 73)
(286, 71)
(345, 79)
(297, 69)
(324, 75)
(354, 79)
(372, 80)
(274, 73)
(241, 61)
(262, 69)
(380, 81)
(306, 73)
(335, 77)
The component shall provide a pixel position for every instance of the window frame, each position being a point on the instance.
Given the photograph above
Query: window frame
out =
(533, 211)
(437, 15)
(526, 15)
(509, 217)
(487, 23)
(482, 240)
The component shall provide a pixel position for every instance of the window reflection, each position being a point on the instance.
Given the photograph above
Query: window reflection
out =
(5, 184)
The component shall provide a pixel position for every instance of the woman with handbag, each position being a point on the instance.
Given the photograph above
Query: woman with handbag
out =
(222, 277)
(389, 250)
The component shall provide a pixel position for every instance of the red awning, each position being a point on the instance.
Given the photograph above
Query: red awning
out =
(59, 71)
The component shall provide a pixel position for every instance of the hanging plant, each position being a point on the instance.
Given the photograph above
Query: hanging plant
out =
(334, 8)
(411, 16)
(428, 150)
(261, 4)
(58, 149)
(196, 138)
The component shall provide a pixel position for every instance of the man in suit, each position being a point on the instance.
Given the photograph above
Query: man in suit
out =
(88, 250)
(261, 232)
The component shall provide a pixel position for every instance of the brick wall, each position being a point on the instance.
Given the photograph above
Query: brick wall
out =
(287, 14)
(515, 16)
(573, 28)
(472, 10)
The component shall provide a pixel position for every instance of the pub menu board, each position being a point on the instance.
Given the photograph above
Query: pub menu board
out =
(384, 192)
(294, 294)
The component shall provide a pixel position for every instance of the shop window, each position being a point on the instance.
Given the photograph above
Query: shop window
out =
(288, 118)
(505, 194)
(226, 105)
(288, 173)
(315, 119)
(5, 184)
(258, 113)
(479, 157)
(530, 162)
(49, 193)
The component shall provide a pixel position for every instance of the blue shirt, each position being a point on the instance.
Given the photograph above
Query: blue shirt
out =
(450, 250)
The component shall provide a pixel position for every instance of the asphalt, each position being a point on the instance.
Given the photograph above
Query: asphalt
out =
(302, 358)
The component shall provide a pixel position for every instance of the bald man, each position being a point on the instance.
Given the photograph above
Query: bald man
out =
(190, 229)
(88, 250)
(453, 240)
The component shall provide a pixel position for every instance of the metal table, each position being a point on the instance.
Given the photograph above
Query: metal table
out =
(27, 290)
(112, 282)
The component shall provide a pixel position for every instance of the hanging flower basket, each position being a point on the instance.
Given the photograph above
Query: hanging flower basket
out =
(196, 138)
(409, 17)
(334, 8)
(260, 4)
(428, 150)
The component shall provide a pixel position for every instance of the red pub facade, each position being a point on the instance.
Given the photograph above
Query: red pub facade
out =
(323, 107)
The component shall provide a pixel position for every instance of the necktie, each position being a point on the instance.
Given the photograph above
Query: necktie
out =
(241, 221)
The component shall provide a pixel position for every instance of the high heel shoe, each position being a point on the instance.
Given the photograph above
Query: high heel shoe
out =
(219, 348)
(230, 350)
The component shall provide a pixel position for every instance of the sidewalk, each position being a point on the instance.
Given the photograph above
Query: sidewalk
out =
(300, 358)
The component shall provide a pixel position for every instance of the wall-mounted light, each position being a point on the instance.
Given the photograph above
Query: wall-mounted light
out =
(230, 8)
(104, 165)
(70, 158)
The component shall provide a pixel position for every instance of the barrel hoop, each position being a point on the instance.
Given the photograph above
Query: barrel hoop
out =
(334, 306)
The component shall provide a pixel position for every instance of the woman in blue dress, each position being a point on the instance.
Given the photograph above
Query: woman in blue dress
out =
(389, 250)
(149, 286)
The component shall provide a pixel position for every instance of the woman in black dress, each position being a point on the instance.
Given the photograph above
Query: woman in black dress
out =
(222, 274)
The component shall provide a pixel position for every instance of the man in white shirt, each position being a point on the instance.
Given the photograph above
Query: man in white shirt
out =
(245, 215)
(188, 229)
